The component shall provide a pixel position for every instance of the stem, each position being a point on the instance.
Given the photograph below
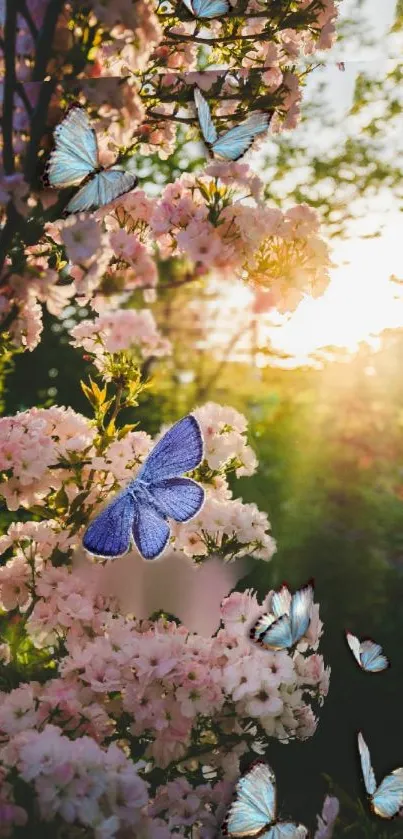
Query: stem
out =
(116, 409)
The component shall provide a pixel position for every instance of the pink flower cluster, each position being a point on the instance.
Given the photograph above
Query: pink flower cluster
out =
(112, 332)
(31, 443)
(34, 443)
(280, 251)
(168, 685)
(78, 780)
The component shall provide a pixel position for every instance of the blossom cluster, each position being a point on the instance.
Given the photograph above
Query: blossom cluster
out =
(259, 34)
(184, 699)
(215, 224)
(39, 449)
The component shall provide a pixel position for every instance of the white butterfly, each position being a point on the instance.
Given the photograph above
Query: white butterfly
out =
(286, 620)
(368, 655)
(254, 808)
(75, 160)
(233, 143)
(387, 799)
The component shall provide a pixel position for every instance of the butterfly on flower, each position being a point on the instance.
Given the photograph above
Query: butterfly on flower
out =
(159, 492)
(74, 161)
(386, 800)
(207, 9)
(287, 618)
(253, 810)
(368, 655)
(233, 143)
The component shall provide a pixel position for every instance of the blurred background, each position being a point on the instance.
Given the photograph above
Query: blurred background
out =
(322, 390)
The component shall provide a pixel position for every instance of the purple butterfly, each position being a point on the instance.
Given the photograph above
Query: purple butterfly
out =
(140, 511)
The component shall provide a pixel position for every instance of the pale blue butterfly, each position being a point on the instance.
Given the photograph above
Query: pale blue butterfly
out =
(140, 511)
(254, 808)
(75, 159)
(367, 654)
(287, 619)
(387, 799)
(235, 142)
(206, 9)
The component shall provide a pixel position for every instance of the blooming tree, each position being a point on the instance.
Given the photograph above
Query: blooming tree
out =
(113, 725)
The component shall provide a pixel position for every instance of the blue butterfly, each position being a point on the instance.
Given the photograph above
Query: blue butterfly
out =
(140, 511)
(368, 655)
(387, 799)
(287, 619)
(207, 9)
(75, 160)
(233, 143)
(254, 808)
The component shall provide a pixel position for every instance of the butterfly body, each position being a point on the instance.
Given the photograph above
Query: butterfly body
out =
(286, 621)
(234, 143)
(386, 800)
(368, 654)
(253, 810)
(74, 162)
(139, 513)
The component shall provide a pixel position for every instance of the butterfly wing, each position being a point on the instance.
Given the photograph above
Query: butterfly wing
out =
(300, 612)
(178, 498)
(103, 188)
(372, 658)
(76, 153)
(150, 532)
(179, 450)
(355, 647)
(280, 602)
(285, 830)
(367, 770)
(109, 534)
(261, 626)
(189, 6)
(204, 116)
(234, 143)
(388, 798)
(254, 806)
(210, 8)
(277, 636)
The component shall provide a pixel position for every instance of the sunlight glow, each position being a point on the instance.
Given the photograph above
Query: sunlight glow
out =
(358, 305)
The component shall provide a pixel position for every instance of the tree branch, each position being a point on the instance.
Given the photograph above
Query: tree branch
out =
(45, 39)
(26, 14)
(38, 123)
(172, 37)
(10, 30)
